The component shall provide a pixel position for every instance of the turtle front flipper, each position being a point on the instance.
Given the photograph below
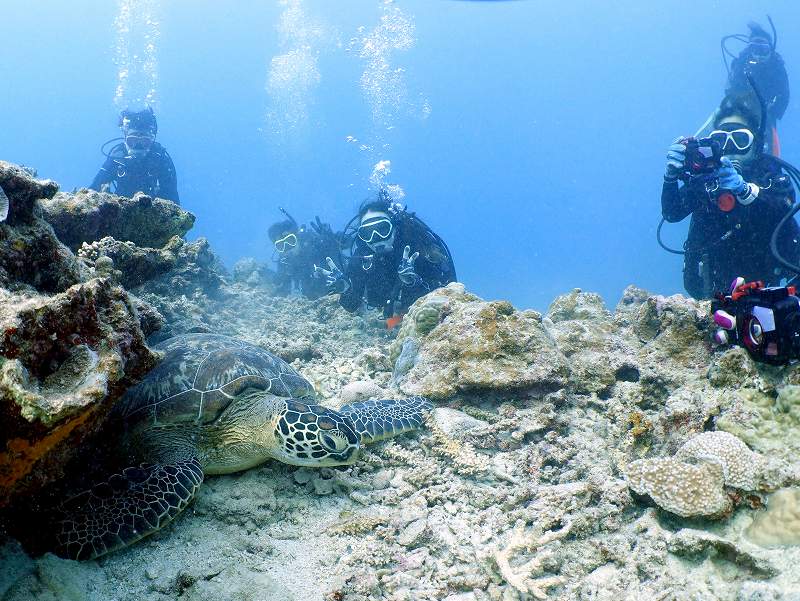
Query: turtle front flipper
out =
(127, 507)
(376, 420)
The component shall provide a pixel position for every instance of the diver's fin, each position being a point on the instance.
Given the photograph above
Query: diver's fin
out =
(376, 420)
(127, 507)
(5, 204)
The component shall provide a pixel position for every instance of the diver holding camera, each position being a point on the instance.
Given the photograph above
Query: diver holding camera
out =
(737, 195)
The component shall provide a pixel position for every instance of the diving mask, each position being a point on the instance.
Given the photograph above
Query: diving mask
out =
(760, 49)
(734, 141)
(287, 241)
(138, 143)
(380, 228)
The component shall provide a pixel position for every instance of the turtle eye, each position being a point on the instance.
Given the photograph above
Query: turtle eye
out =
(333, 441)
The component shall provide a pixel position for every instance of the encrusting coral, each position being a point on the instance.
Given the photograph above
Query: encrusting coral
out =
(779, 525)
(681, 488)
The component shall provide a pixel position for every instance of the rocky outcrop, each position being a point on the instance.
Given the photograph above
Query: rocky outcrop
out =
(64, 360)
(31, 257)
(86, 216)
(466, 344)
(23, 190)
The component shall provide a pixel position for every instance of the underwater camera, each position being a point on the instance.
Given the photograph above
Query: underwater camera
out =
(702, 156)
(765, 321)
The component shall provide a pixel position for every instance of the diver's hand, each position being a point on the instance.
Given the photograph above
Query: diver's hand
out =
(334, 278)
(406, 271)
(730, 179)
(676, 158)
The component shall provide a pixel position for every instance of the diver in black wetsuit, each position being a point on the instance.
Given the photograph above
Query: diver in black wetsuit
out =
(298, 249)
(761, 61)
(138, 163)
(396, 259)
(734, 209)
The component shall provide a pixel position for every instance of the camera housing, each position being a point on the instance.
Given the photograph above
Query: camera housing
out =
(703, 156)
(767, 321)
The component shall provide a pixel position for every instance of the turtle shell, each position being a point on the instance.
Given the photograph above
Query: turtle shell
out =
(201, 374)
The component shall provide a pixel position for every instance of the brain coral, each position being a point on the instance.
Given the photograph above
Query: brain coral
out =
(692, 483)
(741, 467)
(681, 488)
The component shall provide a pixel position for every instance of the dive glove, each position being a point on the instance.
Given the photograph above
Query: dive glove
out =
(334, 278)
(676, 157)
(405, 271)
(730, 179)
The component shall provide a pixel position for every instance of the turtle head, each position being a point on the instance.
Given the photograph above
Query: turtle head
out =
(314, 435)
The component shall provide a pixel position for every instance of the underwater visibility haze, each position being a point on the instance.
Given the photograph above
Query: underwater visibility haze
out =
(402, 329)
(531, 136)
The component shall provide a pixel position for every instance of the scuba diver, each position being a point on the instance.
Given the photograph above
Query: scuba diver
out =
(137, 163)
(298, 249)
(395, 259)
(760, 61)
(738, 197)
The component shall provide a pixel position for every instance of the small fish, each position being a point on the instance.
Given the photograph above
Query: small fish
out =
(4, 205)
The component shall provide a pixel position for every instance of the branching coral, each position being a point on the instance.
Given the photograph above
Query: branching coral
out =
(521, 577)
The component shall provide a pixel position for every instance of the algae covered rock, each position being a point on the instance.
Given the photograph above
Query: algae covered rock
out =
(467, 344)
(770, 425)
(30, 254)
(779, 525)
(23, 190)
(136, 265)
(586, 334)
(677, 328)
(64, 360)
(86, 216)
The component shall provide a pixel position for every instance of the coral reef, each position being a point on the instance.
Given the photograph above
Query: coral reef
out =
(86, 216)
(693, 482)
(684, 489)
(520, 488)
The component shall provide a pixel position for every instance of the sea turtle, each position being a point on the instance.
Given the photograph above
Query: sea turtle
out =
(215, 405)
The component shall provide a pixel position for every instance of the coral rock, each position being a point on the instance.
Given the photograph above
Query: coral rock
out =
(779, 525)
(64, 360)
(477, 345)
(87, 216)
(23, 190)
(361, 391)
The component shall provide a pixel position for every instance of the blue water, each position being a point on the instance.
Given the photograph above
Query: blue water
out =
(540, 162)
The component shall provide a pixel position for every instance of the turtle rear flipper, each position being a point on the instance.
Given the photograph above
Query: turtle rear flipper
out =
(127, 507)
(376, 420)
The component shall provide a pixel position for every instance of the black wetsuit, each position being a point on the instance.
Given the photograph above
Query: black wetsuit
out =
(153, 174)
(296, 272)
(721, 246)
(374, 277)
(768, 75)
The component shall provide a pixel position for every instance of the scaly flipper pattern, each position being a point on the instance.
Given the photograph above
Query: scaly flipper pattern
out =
(376, 420)
(127, 507)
